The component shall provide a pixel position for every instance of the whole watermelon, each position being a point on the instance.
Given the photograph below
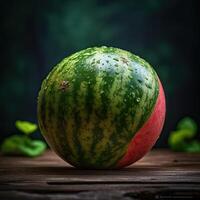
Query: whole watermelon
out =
(101, 107)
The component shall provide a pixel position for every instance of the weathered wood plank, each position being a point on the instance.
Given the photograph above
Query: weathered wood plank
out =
(160, 172)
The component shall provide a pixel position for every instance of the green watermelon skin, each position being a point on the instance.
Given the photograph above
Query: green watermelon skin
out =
(92, 104)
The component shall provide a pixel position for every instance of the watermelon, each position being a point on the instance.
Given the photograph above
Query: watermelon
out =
(101, 108)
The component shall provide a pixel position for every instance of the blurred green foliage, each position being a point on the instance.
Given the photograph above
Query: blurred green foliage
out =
(26, 127)
(182, 139)
(23, 144)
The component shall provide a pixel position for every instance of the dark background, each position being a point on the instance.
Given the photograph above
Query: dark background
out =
(36, 35)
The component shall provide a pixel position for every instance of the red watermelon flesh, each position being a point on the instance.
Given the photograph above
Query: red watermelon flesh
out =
(148, 134)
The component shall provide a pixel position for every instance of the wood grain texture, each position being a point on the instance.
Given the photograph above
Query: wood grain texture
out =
(158, 175)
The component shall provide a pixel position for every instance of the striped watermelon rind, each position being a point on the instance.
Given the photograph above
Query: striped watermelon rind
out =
(93, 103)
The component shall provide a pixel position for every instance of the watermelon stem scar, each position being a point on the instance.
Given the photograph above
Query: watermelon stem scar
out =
(64, 85)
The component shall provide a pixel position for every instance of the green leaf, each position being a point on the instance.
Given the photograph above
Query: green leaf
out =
(177, 139)
(187, 123)
(26, 127)
(22, 145)
(193, 147)
(182, 138)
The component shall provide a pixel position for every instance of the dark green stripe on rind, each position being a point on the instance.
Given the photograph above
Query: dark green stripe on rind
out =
(111, 95)
(83, 101)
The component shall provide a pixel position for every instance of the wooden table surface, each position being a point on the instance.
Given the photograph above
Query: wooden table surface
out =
(161, 174)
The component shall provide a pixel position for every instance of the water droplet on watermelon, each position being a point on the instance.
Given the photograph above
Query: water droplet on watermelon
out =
(139, 80)
(116, 59)
(101, 92)
(130, 76)
(148, 86)
(138, 100)
(98, 61)
(130, 69)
